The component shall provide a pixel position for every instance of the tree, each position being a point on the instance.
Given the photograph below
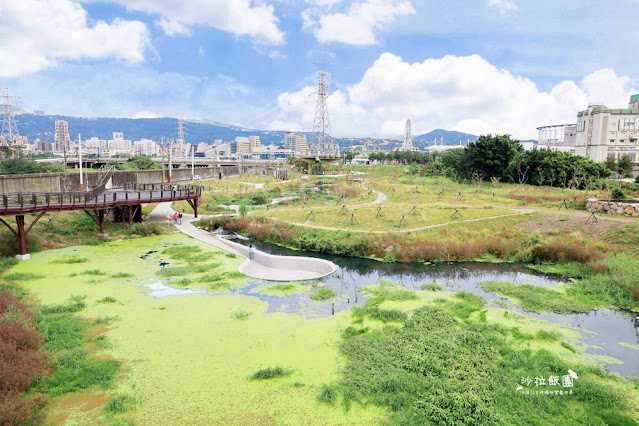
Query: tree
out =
(611, 163)
(27, 166)
(625, 165)
(490, 156)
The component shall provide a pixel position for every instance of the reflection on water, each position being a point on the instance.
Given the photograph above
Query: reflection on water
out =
(160, 290)
(603, 330)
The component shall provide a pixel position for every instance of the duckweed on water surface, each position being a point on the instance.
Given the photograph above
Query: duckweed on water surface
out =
(191, 346)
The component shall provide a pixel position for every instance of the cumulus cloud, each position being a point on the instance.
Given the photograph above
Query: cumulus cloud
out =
(39, 34)
(253, 18)
(504, 7)
(457, 93)
(358, 24)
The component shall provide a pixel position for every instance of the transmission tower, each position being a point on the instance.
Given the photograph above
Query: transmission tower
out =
(180, 131)
(408, 137)
(322, 144)
(9, 126)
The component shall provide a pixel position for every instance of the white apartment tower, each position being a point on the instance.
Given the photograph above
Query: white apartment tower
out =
(62, 139)
(301, 145)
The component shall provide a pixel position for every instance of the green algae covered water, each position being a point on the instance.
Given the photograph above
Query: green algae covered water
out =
(187, 359)
(190, 331)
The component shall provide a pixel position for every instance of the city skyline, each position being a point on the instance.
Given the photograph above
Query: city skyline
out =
(497, 66)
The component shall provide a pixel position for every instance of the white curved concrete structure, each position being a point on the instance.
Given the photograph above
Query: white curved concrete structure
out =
(263, 266)
(281, 268)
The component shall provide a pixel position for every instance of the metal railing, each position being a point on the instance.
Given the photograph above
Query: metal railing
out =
(26, 203)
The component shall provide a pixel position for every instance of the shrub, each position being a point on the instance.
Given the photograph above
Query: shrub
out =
(618, 193)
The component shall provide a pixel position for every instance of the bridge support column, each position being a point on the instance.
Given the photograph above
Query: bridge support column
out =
(101, 220)
(99, 217)
(22, 239)
(193, 203)
(129, 210)
(21, 233)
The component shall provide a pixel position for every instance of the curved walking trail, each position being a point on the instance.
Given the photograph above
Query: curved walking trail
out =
(381, 197)
(263, 266)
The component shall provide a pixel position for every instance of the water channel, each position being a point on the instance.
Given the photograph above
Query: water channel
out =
(604, 332)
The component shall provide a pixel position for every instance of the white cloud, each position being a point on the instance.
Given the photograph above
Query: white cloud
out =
(253, 18)
(146, 114)
(504, 7)
(457, 93)
(284, 125)
(38, 34)
(276, 54)
(357, 25)
(201, 51)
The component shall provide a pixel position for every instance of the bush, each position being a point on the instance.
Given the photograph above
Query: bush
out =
(21, 362)
(618, 193)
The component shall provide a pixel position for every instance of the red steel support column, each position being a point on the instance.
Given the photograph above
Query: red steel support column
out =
(22, 236)
(195, 200)
(101, 220)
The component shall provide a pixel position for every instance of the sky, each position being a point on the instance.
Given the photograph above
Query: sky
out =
(476, 66)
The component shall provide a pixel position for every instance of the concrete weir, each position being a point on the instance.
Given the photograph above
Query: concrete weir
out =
(263, 266)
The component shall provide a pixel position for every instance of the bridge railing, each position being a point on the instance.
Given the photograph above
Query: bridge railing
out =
(133, 193)
(153, 187)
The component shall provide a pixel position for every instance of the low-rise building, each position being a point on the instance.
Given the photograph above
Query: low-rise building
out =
(604, 132)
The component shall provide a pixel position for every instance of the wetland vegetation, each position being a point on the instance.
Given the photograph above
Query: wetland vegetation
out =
(143, 330)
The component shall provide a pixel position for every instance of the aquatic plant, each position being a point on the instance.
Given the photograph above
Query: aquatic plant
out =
(22, 276)
(327, 395)
(121, 404)
(107, 299)
(75, 371)
(123, 275)
(93, 272)
(438, 370)
(432, 287)
(270, 373)
(390, 291)
(537, 299)
(71, 260)
(241, 315)
(322, 294)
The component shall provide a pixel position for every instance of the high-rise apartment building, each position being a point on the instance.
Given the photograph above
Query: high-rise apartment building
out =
(254, 142)
(62, 139)
(301, 146)
(289, 140)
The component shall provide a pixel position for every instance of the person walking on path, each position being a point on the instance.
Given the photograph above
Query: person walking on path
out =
(179, 218)
(176, 218)
(251, 251)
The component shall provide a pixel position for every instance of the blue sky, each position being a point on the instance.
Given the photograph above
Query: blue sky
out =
(478, 66)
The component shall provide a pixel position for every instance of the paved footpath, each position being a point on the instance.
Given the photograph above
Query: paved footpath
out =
(280, 268)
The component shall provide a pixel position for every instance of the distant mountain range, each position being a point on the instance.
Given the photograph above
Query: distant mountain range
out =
(43, 127)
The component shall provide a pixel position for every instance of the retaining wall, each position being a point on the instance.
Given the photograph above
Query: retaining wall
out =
(58, 182)
(623, 207)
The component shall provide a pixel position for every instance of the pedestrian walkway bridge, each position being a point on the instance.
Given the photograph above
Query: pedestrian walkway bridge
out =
(97, 203)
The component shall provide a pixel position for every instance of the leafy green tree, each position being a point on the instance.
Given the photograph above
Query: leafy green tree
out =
(611, 163)
(28, 166)
(625, 165)
(490, 156)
